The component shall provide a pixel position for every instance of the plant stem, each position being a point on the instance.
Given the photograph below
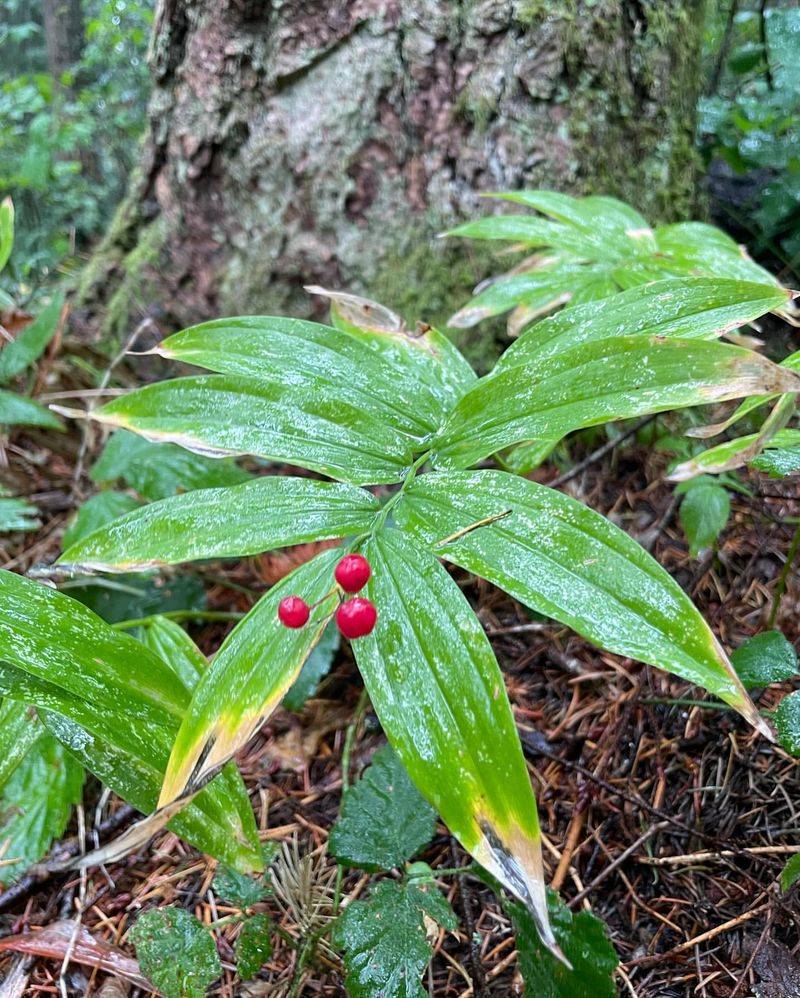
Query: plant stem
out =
(686, 702)
(455, 871)
(780, 589)
(126, 625)
(393, 500)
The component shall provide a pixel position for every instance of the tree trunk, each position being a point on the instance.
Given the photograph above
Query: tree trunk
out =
(63, 34)
(328, 141)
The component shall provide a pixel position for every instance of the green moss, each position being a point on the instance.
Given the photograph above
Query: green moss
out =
(431, 280)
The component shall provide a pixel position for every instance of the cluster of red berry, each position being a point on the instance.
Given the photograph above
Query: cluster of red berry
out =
(355, 617)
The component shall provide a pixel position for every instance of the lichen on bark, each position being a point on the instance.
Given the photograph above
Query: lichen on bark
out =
(329, 142)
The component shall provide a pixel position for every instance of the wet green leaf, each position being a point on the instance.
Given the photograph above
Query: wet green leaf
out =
(564, 560)
(6, 230)
(790, 874)
(168, 640)
(779, 462)
(130, 596)
(238, 888)
(787, 723)
(435, 684)
(597, 382)
(97, 512)
(29, 345)
(176, 952)
(585, 943)
(273, 511)
(315, 668)
(17, 514)
(257, 663)
(82, 675)
(764, 659)
(254, 946)
(20, 729)
(384, 820)
(703, 514)
(157, 470)
(35, 805)
(385, 942)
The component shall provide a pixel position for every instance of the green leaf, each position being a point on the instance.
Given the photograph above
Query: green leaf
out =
(778, 463)
(257, 663)
(435, 684)
(764, 659)
(17, 514)
(168, 640)
(733, 454)
(176, 952)
(313, 426)
(703, 249)
(97, 512)
(273, 349)
(35, 805)
(790, 874)
(703, 514)
(19, 731)
(128, 597)
(156, 470)
(82, 676)
(384, 820)
(16, 410)
(254, 946)
(384, 939)
(6, 230)
(18, 355)
(564, 560)
(315, 668)
(585, 943)
(687, 308)
(273, 511)
(787, 723)
(596, 382)
(237, 888)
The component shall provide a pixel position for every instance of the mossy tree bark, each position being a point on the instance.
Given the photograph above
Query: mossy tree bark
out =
(327, 141)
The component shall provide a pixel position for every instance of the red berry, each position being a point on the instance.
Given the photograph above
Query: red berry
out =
(293, 611)
(355, 618)
(353, 572)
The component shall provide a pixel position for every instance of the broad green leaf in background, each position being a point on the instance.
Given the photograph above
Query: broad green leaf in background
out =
(17, 514)
(16, 410)
(96, 512)
(685, 308)
(766, 658)
(383, 820)
(82, 675)
(435, 684)
(176, 952)
(315, 668)
(597, 382)
(21, 352)
(584, 942)
(19, 731)
(254, 946)
(703, 514)
(315, 426)
(156, 470)
(237, 888)
(385, 942)
(787, 723)
(272, 511)
(257, 663)
(563, 559)
(35, 805)
(274, 349)
(6, 230)
(128, 597)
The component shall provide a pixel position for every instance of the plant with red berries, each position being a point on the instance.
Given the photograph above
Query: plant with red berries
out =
(396, 421)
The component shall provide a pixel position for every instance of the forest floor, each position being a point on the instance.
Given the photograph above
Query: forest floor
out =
(671, 819)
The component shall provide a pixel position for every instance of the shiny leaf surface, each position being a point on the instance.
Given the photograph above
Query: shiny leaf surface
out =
(597, 382)
(29, 345)
(16, 410)
(435, 684)
(269, 512)
(562, 559)
(176, 951)
(315, 427)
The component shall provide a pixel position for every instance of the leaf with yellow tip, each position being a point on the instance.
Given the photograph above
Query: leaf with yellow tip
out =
(256, 665)
(435, 684)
